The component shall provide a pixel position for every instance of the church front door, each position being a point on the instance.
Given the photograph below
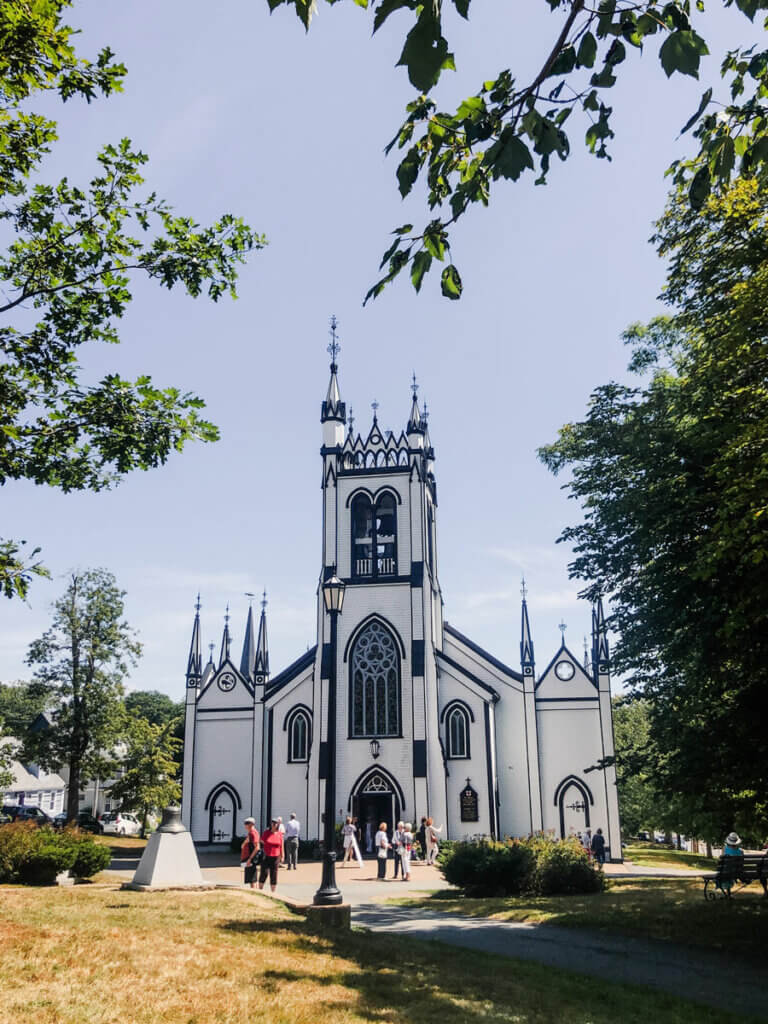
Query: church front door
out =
(374, 802)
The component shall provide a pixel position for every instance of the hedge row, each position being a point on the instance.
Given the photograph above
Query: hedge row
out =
(35, 856)
(537, 865)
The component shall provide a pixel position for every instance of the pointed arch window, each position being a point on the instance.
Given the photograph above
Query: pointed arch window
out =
(457, 733)
(375, 683)
(374, 536)
(298, 737)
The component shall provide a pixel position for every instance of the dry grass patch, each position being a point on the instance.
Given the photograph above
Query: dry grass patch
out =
(669, 909)
(96, 956)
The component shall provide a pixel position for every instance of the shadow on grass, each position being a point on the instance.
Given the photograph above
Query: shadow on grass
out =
(400, 979)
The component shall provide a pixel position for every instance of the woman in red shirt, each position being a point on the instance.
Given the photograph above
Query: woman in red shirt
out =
(272, 845)
(248, 852)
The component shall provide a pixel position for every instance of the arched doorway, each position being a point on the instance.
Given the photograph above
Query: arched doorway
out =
(222, 805)
(376, 797)
(573, 799)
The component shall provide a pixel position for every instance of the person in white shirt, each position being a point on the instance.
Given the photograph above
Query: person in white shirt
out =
(351, 849)
(292, 835)
(281, 830)
(382, 845)
(397, 842)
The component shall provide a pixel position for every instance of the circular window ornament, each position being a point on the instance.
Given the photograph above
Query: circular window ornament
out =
(259, 679)
(564, 670)
(227, 682)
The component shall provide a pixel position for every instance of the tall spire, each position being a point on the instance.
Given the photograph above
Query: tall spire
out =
(261, 662)
(526, 643)
(226, 640)
(333, 407)
(249, 646)
(195, 661)
(416, 425)
(602, 633)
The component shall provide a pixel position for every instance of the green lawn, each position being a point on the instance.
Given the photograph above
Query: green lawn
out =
(98, 956)
(670, 909)
(652, 855)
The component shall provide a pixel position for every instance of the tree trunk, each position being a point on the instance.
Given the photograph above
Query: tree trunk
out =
(73, 792)
(679, 841)
(709, 848)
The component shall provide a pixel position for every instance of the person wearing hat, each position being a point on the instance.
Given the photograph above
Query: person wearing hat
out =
(248, 851)
(272, 845)
(732, 849)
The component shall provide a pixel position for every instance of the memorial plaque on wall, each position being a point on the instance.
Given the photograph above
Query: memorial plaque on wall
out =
(468, 803)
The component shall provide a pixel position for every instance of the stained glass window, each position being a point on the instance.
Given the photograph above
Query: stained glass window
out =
(458, 733)
(298, 737)
(375, 683)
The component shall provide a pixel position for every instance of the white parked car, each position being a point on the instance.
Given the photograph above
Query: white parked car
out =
(118, 823)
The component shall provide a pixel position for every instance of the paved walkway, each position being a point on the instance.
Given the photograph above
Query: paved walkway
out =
(701, 976)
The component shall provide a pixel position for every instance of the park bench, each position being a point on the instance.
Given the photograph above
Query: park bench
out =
(749, 867)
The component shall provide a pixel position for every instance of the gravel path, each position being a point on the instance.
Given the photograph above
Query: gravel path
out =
(701, 976)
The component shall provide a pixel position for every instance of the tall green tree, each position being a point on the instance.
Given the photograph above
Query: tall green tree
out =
(83, 658)
(672, 479)
(517, 122)
(66, 276)
(148, 779)
(158, 709)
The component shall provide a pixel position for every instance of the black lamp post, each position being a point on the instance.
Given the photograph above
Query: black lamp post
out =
(329, 895)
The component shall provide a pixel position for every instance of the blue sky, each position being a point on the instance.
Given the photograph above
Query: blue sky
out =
(242, 112)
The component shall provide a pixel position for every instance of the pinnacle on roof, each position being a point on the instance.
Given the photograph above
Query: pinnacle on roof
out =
(416, 424)
(261, 661)
(333, 407)
(195, 661)
(249, 647)
(526, 643)
(226, 640)
(600, 636)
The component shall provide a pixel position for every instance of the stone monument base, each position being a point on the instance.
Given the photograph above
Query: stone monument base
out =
(339, 917)
(169, 860)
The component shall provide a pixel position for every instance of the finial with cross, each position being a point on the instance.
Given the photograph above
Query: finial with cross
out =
(562, 627)
(425, 413)
(351, 421)
(197, 603)
(264, 599)
(414, 385)
(334, 348)
(523, 588)
(375, 407)
(211, 649)
(226, 614)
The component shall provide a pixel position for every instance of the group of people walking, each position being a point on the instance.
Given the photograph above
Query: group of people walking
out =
(263, 854)
(401, 845)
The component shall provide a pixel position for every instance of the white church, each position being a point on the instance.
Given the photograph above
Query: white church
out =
(426, 722)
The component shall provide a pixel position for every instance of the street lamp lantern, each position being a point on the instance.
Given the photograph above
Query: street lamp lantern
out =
(333, 594)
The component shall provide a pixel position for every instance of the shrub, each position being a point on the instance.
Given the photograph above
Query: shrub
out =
(16, 841)
(42, 865)
(490, 868)
(34, 856)
(565, 867)
(537, 865)
(90, 858)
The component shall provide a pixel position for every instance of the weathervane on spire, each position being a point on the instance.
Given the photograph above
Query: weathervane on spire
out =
(226, 614)
(375, 407)
(264, 599)
(250, 596)
(197, 603)
(334, 348)
(414, 385)
(523, 588)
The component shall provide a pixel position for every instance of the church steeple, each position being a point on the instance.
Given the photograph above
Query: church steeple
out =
(526, 643)
(333, 415)
(195, 660)
(600, 636)
(226, 640)
(249, 647)
(261, 660)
